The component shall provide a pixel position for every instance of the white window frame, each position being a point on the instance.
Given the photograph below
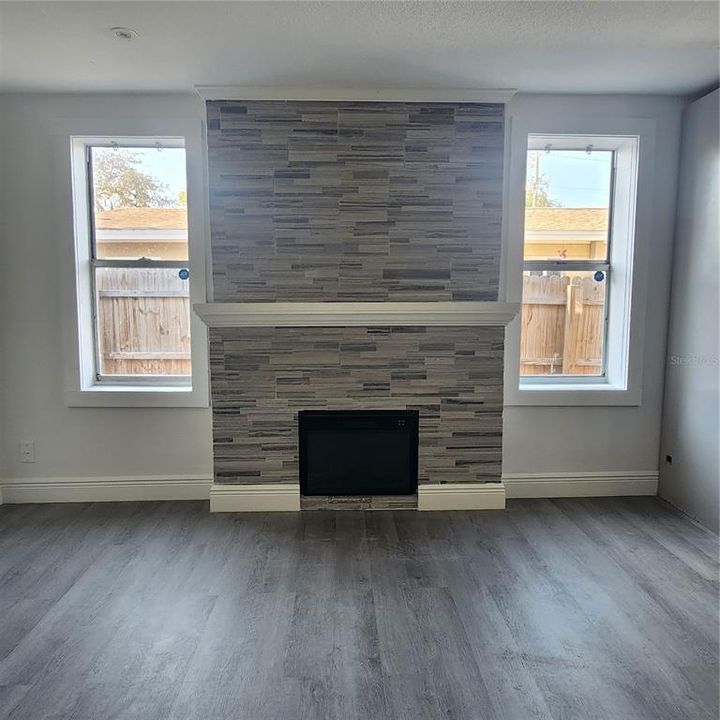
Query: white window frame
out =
(82, 388)
(633, 142)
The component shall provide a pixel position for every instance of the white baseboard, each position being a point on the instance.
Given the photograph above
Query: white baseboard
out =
(106, 489)
(461, 496)
(286, 496)
(586, 484)
(279, 497)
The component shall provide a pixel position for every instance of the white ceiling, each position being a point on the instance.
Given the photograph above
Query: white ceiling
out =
(581, 46)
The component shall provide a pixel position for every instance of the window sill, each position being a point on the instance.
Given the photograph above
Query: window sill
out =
(139, 396)
(569, 395)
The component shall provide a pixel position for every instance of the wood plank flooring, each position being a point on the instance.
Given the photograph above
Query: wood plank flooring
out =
(587, 609)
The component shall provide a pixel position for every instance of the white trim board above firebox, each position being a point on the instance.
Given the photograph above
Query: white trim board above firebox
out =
(356, 314)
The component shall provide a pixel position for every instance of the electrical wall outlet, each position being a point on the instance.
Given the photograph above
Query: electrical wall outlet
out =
(27, 451)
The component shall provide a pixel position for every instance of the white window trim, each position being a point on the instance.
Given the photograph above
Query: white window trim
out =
(81, 388)
(632, 235)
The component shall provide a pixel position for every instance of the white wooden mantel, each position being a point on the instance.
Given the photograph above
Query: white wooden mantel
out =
(356, 314)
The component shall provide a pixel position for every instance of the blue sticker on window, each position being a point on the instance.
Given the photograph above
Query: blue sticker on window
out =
(599, 276)
(184, 274)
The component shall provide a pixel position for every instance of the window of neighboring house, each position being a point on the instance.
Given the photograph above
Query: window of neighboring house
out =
(567, 260)
(138, 262)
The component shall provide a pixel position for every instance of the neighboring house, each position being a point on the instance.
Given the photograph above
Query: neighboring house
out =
(570, 233)
(567, 233)
(157, 233)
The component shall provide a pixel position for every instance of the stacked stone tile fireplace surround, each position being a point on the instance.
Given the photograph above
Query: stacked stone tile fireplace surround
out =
(355, 265)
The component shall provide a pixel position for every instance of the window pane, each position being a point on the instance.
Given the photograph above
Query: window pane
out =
(563, 323)
(567, 204)
(139, 203)
(143, 321)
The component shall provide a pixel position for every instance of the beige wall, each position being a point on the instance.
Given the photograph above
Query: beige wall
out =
(690, 423)
(608, 439)
(118, 442)
(70, 442)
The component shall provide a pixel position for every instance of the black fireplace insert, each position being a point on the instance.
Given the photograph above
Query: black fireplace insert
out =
(358, 452)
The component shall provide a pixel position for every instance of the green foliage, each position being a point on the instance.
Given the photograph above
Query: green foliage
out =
(118, 183)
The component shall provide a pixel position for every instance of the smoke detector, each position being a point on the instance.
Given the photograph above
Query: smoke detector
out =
(123, 33)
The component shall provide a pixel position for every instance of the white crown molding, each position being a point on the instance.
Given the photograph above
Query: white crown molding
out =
(447, 95)
(106, 489)
(582, 484)
(279, 497)
(461, 496)
(356, 314)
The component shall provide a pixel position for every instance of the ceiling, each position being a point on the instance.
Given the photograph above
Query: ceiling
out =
(582, 46)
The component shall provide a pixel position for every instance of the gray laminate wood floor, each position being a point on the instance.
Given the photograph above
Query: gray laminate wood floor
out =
(571, 609)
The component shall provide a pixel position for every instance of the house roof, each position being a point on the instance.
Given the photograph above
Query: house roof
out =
(566, 219)
(142, 218)
(536, 219)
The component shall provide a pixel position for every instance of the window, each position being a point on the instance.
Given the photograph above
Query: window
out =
(566, 259)
(139, 262)
(579, 236)
(133, 237)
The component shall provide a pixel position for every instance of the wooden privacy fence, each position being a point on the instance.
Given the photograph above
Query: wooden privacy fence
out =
(143, 321)
(563, 325)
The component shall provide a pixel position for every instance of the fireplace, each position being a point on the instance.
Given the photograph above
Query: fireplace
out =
(358, 452)
(356, 271)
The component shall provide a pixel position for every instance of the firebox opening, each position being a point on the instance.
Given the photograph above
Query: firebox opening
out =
(358, 452)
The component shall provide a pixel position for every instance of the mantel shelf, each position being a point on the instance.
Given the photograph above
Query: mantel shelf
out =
(356, 314)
